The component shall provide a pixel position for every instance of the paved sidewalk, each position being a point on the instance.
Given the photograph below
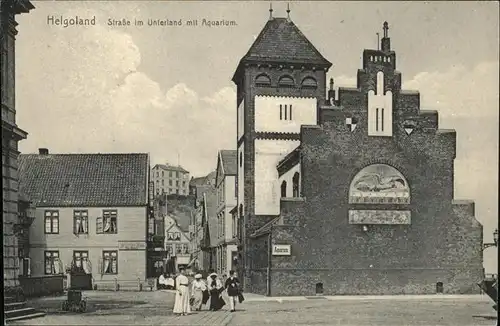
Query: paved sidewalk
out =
(360, 311)
(252, 297)
(123, 308)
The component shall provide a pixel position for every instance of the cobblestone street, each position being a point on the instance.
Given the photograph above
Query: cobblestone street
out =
(155, 308)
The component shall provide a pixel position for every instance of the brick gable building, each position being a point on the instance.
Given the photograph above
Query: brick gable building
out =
(347, 195)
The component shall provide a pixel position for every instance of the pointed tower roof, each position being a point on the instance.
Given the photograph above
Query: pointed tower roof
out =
(281, 41)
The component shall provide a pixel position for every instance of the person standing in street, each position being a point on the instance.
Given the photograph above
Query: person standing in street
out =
(181, 304)
(215, 287)
(233, 289)
(197, 288)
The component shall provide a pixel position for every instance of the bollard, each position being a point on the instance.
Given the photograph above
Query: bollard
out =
(140, 284)
(117, 286)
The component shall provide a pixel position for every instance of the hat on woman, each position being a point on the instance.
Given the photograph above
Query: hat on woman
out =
(198, 276)
(213, 275)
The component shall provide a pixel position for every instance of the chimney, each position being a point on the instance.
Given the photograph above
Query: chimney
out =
(331, 93)
(43, 151)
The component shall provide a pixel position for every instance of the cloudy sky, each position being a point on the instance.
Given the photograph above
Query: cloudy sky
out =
(168, 90)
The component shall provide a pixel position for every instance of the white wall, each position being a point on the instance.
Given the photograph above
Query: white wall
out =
(230, 189)
(267, 113)
(131, 223)
(268, 153)
(380, 101)
(241, 120)
(288, 177)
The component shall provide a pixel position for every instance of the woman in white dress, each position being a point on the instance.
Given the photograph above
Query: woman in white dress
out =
(197, 288)
(181, 305)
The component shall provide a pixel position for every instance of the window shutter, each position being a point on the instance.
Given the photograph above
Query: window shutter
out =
(99, 225)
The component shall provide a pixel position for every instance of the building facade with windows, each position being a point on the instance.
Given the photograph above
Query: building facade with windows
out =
(91, 213)
(11, 135)
(170, 179)
(225, 247)
(350, 193)
(177, 242)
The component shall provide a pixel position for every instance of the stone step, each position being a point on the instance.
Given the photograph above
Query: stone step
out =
(19, 312)
(14, 305)
(9, 299)
(23, 317)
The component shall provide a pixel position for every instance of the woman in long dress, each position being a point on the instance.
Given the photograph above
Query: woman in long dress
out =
(197, 288)
(215, 288)
(181, 305)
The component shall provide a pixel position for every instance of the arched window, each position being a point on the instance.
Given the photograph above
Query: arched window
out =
(295, 182)
(283, 189)
(286, 81)
(263, 80)
(379, 184)
(309, 82)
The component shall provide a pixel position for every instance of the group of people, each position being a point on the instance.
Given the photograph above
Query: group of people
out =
(187, 299)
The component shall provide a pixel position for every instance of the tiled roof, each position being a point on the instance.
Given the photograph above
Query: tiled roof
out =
(229, 161)
(84, 179)
(266, 228)
(211, 202)
(202, 181)
(281, 41)
(169, 167)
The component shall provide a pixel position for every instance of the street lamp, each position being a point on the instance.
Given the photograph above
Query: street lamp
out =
(495, 241)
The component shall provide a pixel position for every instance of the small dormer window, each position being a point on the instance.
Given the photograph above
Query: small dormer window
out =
(309, 82)
(286, 81)
(263, 80)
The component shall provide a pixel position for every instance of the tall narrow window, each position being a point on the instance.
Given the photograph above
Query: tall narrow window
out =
(80, 222)
(110, 262)
(281, 111)
(290, 112)
(52, 263)
(107, 223)
(81, 261)
(382, 120)
(376, 120)
(286, 109)
(51, 222)
(295, 182)
(283, 189)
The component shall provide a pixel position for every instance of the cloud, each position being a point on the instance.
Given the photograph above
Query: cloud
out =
(86, 94)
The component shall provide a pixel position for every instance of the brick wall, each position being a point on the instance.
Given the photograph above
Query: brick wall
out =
(442, 243)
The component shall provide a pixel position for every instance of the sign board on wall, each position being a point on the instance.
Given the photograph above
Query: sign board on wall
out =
(282, 250)
(131, 245)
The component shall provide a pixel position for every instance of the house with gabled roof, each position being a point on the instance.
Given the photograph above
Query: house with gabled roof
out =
(91, 214)
(227, 227)
(177, 241)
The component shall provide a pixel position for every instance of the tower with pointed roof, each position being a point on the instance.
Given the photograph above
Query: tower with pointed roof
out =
(280, 82)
